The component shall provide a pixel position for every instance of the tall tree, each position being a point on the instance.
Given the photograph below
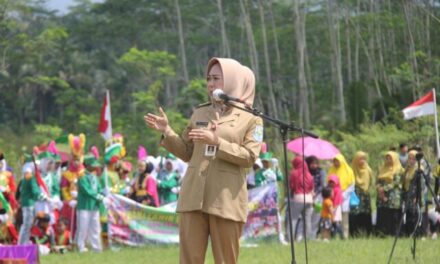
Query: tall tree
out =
(181, 42)
(252, 47)
(408, 11)
(333, 23)
(267, 60)
(300, 39)
(225, 50)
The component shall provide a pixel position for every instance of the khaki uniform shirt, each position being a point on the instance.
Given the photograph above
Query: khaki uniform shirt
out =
(217, 184)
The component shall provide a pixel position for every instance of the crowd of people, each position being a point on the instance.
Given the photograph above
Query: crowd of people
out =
(61, 204)
(354, 200)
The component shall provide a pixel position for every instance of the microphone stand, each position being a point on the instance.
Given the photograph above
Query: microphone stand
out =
(284, 129)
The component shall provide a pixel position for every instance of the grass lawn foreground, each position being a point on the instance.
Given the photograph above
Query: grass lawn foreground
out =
(337, 251)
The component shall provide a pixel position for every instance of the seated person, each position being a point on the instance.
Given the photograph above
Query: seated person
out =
(62, 237)
(42, 234)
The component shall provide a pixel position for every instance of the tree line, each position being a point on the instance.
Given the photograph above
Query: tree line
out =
(325, 64)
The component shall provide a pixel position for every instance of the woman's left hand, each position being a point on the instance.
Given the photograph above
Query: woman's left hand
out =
(205, 136)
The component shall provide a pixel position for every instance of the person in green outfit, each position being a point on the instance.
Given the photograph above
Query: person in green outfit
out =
(51, 178)
(167, 182)
(266, 174)
(89, 200)
(30, 192)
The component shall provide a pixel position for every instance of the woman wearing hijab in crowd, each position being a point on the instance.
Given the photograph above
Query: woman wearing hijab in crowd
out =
(144, 189)
(360, 217)
(409, 197)
(301, 188)
(219, 143)
(337, 199)
(319, 180)
(389, 187)
(168, 182)
(343, 171)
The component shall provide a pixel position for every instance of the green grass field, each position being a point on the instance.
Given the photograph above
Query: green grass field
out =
(352, 251)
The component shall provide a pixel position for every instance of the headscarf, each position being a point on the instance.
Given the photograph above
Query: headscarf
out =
(238, 80)
(296, 177)
(363, 175)
(344, 172)
(409, 170)
(386, 173)
(310, 160)
(337, 191)
(149, 167)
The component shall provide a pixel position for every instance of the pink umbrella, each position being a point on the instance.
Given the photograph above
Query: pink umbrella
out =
(313, 147)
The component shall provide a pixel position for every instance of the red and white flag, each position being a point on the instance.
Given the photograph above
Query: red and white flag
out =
(422, 107)
(105, 123)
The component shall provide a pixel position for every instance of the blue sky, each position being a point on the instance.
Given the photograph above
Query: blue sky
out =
(63, 5)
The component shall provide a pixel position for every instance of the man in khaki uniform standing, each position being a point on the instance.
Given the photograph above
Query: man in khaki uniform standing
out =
(219, 144)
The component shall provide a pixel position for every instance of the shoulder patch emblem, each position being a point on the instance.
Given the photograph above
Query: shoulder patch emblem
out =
(258, 133)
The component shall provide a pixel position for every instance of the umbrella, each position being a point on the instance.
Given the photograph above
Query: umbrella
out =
(320, 148)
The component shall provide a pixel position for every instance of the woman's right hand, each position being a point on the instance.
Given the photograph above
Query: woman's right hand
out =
(158, 122)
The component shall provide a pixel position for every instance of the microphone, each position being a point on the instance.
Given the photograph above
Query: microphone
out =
(219, 96)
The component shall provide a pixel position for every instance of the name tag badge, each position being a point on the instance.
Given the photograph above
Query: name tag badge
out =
(210, 150)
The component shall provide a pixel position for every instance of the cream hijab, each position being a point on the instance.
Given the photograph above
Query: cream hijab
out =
(238, 80)
(386, 173)
(409, 170)
(363, 174)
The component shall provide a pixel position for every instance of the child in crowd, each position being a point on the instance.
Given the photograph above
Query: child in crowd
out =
(62, 239)
(326, 214)
(333, 183)
(42, 233)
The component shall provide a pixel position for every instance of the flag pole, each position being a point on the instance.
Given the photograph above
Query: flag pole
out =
(109, 236)
(436, 124)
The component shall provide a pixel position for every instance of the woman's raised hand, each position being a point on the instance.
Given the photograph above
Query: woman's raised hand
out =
(158, 122)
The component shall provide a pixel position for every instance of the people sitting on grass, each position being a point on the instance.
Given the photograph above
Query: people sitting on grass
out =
(62, 237)
(42, 233)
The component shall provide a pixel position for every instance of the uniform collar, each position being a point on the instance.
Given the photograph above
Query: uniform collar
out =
(230, 115)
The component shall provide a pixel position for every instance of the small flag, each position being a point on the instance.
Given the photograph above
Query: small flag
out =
(40, 181)
(105, 123)
(422, 107)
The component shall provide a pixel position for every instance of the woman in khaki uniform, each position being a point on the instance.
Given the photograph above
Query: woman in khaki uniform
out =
(219, 144)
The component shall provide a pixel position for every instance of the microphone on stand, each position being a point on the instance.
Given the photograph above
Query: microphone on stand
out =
(219, 96)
